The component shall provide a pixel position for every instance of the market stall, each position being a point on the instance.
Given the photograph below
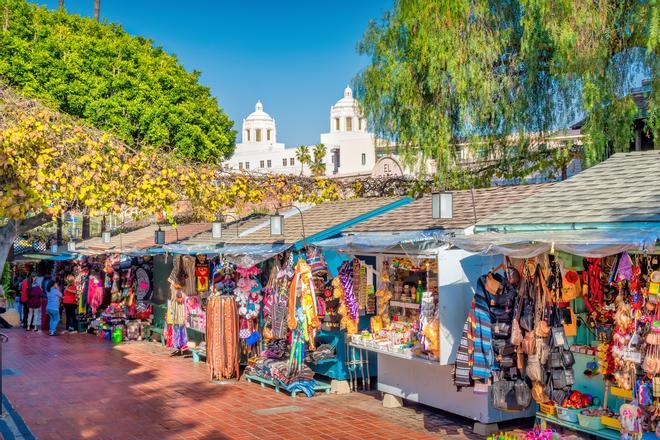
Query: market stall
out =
(424, 289)
(280, 293)
(583, 274)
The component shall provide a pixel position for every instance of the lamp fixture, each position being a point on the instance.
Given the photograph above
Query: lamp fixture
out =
(54, 248)
(442, 204)
(159, 236)
(216, 229)
(106, 237)
(277, 223)
(71, 246)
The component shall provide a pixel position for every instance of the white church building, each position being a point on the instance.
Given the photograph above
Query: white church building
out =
(349, 146)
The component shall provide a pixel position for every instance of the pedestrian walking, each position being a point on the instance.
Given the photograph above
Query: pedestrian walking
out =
(54, 296)
(34, 305)
(70, 300)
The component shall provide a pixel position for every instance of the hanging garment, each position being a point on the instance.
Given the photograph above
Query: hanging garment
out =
(222, 337)
(95, 293)
(189, 262)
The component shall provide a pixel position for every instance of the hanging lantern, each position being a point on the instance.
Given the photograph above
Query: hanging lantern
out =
(159, 236)
(442, 205)
(54, 248)
(277, 224)
(216, 230)
(71, 246)
(106, 237)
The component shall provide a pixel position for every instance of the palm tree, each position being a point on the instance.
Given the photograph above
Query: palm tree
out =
(318, 166)
(61, 5)
(97, 10)
(303, 156)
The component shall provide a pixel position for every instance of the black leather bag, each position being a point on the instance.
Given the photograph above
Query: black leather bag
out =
(504, 396)
(526, 321)
(555, 359)
(502, 347)
(523, 393)
(567, 358)
(506, 362)
(562, 378)
(501, 314)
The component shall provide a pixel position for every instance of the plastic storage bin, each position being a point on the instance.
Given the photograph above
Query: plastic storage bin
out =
(590, 422)
(567, 414)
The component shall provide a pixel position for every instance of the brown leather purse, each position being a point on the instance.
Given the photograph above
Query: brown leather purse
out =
(493, 286)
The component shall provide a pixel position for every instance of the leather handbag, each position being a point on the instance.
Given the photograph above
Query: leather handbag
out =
(526, 320)
(562, 378)
(529, 343)
(523, 393)
(504, 396)
(501, 330)
(502, 347)
(493, 282)
(506, 361)
(502, 314)
(567, 358)
(555, 360)
(538, 392)
(516, 332)
(559, 338)
(534, 369)
(542, 329)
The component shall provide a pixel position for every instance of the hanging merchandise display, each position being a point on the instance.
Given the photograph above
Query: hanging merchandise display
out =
(609, 381)
(222, 337)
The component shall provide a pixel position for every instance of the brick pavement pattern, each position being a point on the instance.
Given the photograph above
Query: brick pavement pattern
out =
(77, 387)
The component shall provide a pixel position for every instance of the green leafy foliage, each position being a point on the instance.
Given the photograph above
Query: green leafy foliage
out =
(115, 81)
(501, 77)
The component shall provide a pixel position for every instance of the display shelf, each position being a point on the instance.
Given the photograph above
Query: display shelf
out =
(395, 354)
(405, 305)
(606, 433)
(319, 386)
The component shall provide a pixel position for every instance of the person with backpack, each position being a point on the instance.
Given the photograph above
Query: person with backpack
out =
(35, 294)
(54, 296)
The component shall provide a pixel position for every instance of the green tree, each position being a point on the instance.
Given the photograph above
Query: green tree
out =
(317, 166)
(502, 76)
(114, 81)
(303, 157)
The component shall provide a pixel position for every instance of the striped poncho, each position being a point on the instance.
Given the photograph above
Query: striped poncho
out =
(474, 357)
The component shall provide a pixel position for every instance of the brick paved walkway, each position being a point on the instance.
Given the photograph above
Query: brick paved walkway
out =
(76, 387)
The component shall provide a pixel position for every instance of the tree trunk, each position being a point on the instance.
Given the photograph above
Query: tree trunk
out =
(5, 23)
(59, 230)
(85, 228)
(97, 10)
(12, 229)
(61, 5)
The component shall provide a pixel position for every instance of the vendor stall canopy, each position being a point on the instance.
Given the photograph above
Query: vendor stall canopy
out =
(407, 242)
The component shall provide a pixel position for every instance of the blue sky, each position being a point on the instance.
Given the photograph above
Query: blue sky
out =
(296, 56)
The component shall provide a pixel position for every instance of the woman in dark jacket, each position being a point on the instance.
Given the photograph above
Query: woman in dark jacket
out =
(34, 305)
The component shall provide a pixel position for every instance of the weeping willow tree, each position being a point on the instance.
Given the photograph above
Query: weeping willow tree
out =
(500, 77)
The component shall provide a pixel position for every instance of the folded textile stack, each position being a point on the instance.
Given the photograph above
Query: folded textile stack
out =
(276, 349)
(280, 372)
(263, 367)
(324, 351)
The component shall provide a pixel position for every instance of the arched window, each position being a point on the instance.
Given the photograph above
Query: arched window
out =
(257, 136)
(247, 135)
(337, 124)
(349, 124)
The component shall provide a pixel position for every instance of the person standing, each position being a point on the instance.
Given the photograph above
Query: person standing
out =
(26, 285)
(34, 305)
(54, 296)
(70, 300)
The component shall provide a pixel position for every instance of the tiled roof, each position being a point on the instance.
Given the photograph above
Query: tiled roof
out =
(229, 231)
(416, 216)
(142, 238)
(624, 188)
(317, 219)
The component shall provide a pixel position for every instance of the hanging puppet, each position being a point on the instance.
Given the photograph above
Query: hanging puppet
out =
(302, 296)
(248, 296)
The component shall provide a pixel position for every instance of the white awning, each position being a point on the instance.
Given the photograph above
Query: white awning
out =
(408, 242)
(592, 243)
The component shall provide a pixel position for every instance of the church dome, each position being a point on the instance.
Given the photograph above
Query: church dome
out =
(259, 114)
(259, 126)
(345, 115)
